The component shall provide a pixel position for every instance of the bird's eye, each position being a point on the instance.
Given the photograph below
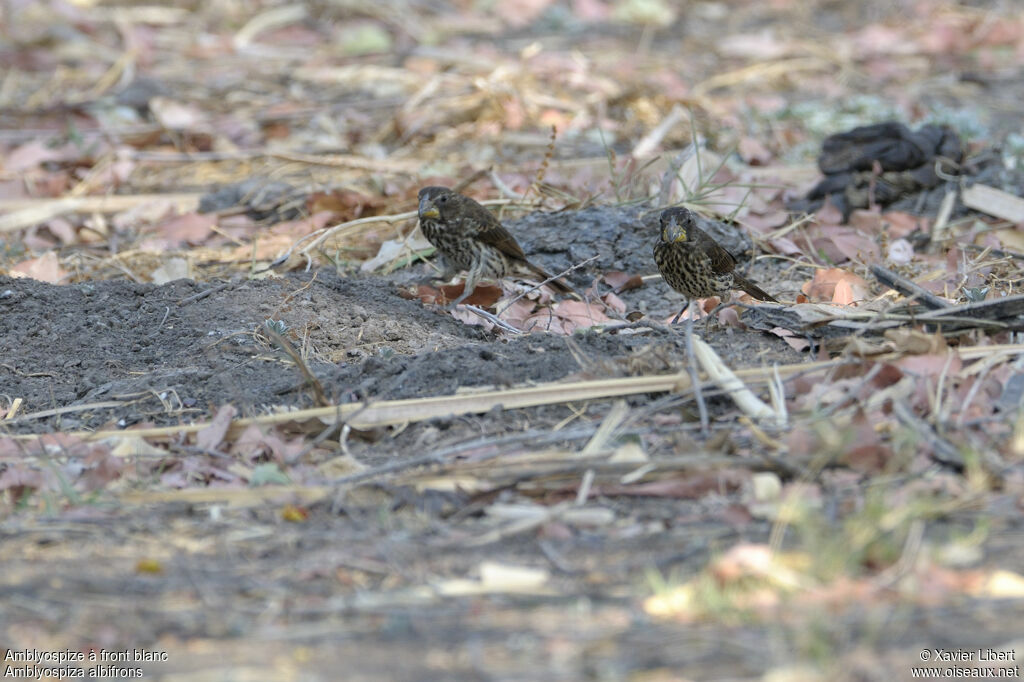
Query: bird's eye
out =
(442, 199)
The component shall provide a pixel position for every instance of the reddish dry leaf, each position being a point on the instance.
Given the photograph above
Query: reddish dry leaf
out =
(303, 226)
(867, 453)
(112, 175)
(21, 479)
(191, 229)
(931, 365)
(102, 467)
(844, 243)
(730, 317)
(836, 285)
(981, 404)
(281, 449)
(546, 320)
(621, 281)
(796, 342)
(247, 444)
(579, 314)
(63, 230)
(766, 221)
(785, 246)
(928, 371)
(614, 303)
(425, 293)
(901, 224)
(37, 152)
(212, 435)
(866, 221)
(888, 375)
(843, 294)
(517, 313)
(45, 268)
(753, 152)
(727, 201)
(347, 204)
(37, 239)
(484, 296)
(828, 214)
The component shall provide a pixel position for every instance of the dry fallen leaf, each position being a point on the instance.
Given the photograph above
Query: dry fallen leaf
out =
(842, 243)
(45, 268)
(622, 281)
(484, 296)
(795, 342)
(614, 303)
(210, 436)
(753, 151)
(900, 224)
(393, 249)
(825, 286)
(568, 317)
(177, 115)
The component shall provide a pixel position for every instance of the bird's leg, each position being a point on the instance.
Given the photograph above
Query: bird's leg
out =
(472, 277)
(714, 311)
(691, 358)
(686, 304)
(446, 274)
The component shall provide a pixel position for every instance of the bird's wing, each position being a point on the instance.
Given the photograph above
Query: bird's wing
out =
(721, 259)
(493, 233)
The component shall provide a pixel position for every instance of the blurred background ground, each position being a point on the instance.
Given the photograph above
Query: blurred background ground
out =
(222, 141)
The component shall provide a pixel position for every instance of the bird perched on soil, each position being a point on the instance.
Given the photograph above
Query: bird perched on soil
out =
(470, 238)
(694, 264)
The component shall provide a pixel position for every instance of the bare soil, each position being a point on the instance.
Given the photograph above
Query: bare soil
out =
(119, 353)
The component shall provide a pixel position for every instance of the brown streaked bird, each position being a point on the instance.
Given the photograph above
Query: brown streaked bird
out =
(470, 238)
(694, 264)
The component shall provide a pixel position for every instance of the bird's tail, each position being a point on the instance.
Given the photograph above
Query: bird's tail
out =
(746, 285)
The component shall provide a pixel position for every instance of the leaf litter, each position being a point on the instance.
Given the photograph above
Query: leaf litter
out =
(869, 456)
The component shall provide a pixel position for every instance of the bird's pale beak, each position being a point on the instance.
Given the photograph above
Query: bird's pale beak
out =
(428, 210)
